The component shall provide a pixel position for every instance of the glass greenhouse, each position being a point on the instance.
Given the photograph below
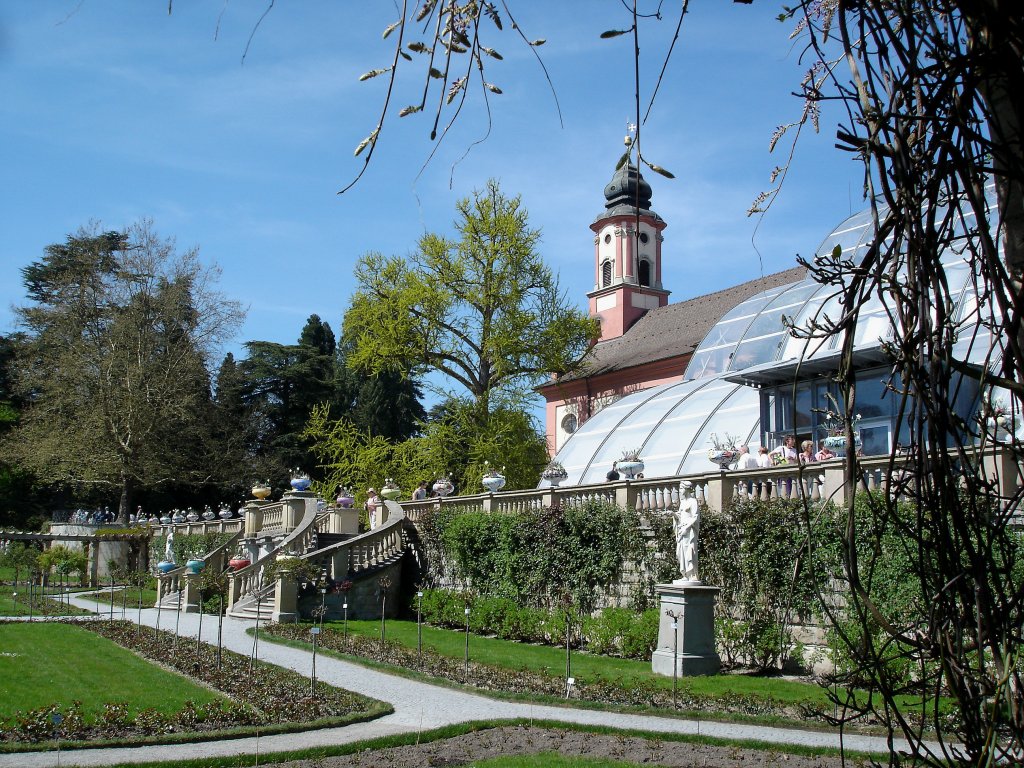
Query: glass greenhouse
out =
(740, 380)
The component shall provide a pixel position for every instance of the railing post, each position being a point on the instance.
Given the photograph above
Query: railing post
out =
(253, 519)
(285, 599)
(1000, 467)
(834, 488)
(234, 585)
(718, 493)
(190, 600)
(625, 495)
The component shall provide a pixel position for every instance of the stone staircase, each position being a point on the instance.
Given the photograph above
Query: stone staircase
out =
(345, 556)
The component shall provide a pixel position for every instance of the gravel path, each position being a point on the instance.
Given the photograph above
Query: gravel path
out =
(418, 706)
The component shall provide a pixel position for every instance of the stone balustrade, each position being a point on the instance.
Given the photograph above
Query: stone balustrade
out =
(816, 482)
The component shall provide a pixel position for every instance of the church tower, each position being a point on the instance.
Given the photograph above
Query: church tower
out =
(627, 255)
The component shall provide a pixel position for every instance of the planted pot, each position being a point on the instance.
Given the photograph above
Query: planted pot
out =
(390, 491)
(193, 516)
(226, 513)
(261, 491)
(346, 501)
(720, 456)
(177, 518)
(444, 487)
(166, 565)
(238, 563)
(300, 482)
(630, 467)
(493, 481)
(838, 442)
(195, 565)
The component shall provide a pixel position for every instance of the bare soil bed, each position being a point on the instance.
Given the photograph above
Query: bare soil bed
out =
(523, 740)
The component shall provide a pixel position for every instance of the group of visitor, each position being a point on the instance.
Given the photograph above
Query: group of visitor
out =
(782, 455)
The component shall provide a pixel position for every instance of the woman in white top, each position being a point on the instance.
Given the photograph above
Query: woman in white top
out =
(371, 507)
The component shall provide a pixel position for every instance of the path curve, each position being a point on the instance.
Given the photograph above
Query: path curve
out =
(418, 707)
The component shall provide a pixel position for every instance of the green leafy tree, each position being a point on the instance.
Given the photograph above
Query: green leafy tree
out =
(118, 331)
(483, 310)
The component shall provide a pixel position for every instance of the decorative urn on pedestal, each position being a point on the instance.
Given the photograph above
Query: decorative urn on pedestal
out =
(195, 564)
(346, 499)
(225, 513)
(390, 489)
(300, 480)
(261, 490)
(166, 565)
(630, 464)
(493, 480)
(723, 451)
(444, 486)
(554, 473)
(238, 562)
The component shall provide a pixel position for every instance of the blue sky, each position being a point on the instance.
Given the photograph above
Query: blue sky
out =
(114, 110)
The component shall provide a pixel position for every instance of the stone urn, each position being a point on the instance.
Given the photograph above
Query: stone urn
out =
(261, 491)
(226, 513)
(443, 487)
(195, 565)
(630, 467)
(390, 490)
(493, 481)
(346, 499)
(300, 481)
(554, 473)
(837, 443)
(723, 457)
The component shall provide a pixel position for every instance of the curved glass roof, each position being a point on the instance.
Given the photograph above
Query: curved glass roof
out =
(672, 424)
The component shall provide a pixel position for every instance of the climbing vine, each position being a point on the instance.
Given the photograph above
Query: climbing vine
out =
(538, 557)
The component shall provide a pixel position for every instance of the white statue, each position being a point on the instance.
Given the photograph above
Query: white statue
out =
(687, 529)
(169, 547)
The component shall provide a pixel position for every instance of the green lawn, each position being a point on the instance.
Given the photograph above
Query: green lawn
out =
(585, 667)
(128, 597)
(50, 605)
(45, 664)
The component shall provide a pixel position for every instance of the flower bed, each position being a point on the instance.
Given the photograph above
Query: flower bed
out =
(270, 697)
(643, 693)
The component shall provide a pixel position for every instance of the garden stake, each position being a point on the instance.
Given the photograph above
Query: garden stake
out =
(159, 610)
(467, 644)
(315, 631)
(199, 636)
(568, 657)
(345, 606)
(124, 601)
(419, 628)
(111, 598)
(177, 619)
(220, 629)
(138, 626)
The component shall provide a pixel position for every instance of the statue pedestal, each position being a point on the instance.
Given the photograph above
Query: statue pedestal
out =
(690, 648)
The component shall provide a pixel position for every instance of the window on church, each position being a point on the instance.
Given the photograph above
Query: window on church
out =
(645, 272)
(606, 274)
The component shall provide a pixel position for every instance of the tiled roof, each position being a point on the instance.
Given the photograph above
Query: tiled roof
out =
(676, 329)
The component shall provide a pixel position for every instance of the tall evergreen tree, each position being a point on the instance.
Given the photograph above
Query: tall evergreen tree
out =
(118, 332)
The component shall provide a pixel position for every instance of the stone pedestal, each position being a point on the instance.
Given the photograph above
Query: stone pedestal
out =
(694, 604)
(285, 600)
(344, 521)
(190, 599)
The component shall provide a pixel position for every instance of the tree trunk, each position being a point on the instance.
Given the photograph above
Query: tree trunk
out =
(127, 499)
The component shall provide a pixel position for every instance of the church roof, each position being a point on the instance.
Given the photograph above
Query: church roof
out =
(675, 329)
